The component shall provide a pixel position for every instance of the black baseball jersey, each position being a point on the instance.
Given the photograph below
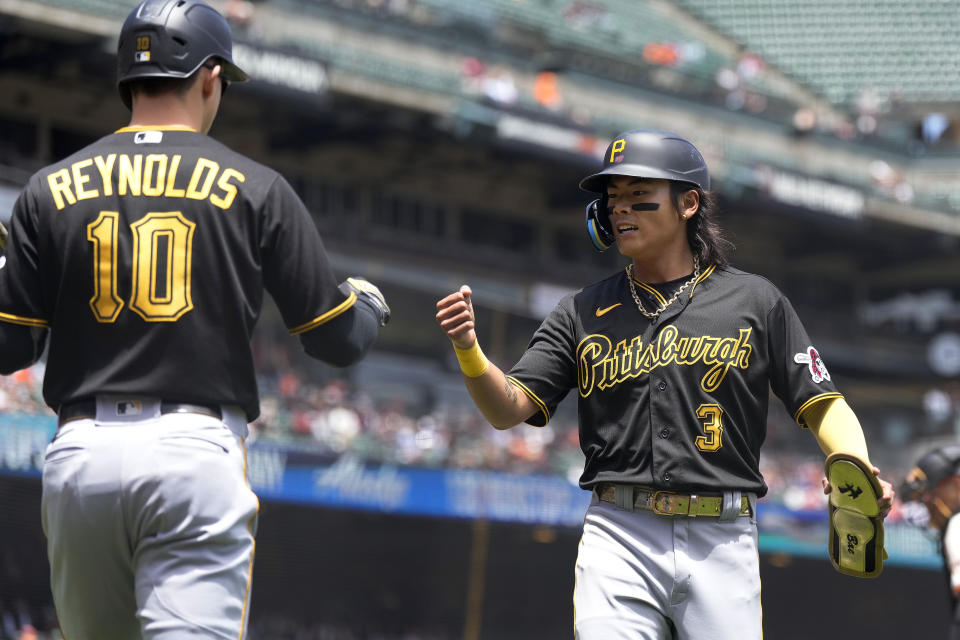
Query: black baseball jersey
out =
(147, 253)
(679, 402)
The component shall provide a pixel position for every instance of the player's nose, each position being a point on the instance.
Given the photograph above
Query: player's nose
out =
(617, 207)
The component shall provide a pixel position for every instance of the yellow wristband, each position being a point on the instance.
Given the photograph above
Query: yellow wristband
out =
(472, 361)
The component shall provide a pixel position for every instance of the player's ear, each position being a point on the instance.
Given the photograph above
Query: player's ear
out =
(210, 79)
(688, 204)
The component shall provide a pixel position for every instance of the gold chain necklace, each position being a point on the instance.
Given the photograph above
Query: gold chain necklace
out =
(676, 294)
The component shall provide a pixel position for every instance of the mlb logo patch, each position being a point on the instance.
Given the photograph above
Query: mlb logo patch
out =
(147, 137)
(131, 408)
(141, 56)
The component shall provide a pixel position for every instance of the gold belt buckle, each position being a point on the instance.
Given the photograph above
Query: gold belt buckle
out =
(668, 503)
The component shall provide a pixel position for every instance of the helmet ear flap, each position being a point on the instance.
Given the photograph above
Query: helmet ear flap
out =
(598, 224)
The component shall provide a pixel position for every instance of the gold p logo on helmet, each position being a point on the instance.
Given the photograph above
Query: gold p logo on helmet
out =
(615, 148)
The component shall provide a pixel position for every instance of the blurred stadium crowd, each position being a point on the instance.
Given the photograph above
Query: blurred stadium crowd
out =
(339, 416)
(673, 56)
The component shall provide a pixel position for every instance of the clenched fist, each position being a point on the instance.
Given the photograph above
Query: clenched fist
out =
(455, 315)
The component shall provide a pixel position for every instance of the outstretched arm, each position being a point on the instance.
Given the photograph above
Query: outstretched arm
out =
(499, 400)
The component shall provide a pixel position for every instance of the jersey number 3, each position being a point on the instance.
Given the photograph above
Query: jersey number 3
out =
(711, 415)
(162, 256)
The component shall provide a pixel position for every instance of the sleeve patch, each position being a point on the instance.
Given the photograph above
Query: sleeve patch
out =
(811, 358)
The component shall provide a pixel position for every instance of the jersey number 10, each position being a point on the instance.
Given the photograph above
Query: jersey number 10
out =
(162, 256)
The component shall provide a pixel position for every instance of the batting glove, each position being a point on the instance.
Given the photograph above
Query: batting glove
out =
(371, 294)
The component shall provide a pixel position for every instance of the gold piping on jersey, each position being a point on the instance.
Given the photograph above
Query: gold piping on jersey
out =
(25, 321)
(703, 276)
(656, 294)
(326, 317)
(659, 297)
(812, 401)
(533, 397)
(601, 366)
(143, 127)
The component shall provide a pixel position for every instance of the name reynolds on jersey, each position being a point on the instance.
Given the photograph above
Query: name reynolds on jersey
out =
(602, 366)
(150, 175)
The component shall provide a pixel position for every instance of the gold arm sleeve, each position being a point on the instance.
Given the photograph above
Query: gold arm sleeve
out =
(836, 428)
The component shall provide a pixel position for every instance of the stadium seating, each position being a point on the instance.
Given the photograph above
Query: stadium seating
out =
(840, 47)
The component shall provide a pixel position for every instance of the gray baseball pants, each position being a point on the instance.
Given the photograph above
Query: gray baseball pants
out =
(150, 524)
(644, 576)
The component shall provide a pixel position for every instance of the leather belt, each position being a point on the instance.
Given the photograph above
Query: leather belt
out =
(87, 410)
(669, 503)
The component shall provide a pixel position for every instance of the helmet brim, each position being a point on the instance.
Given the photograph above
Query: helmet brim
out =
(597, 182)
(232, 72)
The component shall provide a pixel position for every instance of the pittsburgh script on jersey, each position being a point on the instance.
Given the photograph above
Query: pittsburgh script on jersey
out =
(602, 366)
(151, 175)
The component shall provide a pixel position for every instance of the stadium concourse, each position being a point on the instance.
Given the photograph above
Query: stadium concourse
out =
(439, 142)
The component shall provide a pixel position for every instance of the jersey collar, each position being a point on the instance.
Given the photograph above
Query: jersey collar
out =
(656, 294)
(703, 276)
(171, 127)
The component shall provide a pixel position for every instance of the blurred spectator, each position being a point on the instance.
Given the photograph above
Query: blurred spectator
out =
(868, 106)
(890, 182)
(934, 128)
(239, 13)
(546, 92)
(739, 85)
(336, 424)
(22, 392)
(583, 15)
(804, 121)
(498, 86)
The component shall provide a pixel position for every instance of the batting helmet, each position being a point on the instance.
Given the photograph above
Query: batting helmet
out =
(931, 469)
(172, 39)
(642, 153)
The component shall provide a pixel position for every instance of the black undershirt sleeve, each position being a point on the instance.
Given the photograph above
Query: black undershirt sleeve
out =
(346, 338)
(20, 346)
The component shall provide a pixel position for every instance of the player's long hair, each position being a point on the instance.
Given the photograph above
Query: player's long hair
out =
(703, 232)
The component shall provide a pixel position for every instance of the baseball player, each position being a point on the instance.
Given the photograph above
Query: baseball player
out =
(144, 258)
(672, 359)
(935, 482)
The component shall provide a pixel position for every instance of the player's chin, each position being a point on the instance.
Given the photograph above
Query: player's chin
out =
(629, 245)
